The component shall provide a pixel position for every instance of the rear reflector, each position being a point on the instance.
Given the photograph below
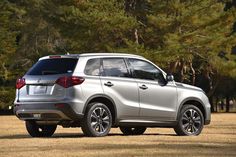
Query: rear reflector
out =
(20, 83)
(68, 81)
(60, 105)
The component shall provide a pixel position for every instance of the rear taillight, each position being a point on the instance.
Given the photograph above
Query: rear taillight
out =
(68, 81)
(20, 83)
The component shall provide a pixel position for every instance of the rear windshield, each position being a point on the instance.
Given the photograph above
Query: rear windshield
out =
(53, 66)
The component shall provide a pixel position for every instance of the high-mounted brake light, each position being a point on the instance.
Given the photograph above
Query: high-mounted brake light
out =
(20, 83)
(54, 56)
(68, 81)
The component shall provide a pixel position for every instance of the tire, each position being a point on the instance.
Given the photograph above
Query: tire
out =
(36, 130)
(97, 120)
(133, 130)
(190, 121)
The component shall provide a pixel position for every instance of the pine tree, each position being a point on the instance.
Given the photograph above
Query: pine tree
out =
(186, 31)
(37, 36)
(8, 33)
(192, 39)
(95, 26)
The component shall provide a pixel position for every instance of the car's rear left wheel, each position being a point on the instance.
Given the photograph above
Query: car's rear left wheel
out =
(36, 130)
(97, 120)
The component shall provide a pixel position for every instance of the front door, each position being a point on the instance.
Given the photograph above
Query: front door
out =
(157, 98)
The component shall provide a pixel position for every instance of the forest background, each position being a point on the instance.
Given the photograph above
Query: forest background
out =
(195, 40)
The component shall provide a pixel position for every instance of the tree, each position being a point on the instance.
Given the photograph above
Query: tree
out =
(8, 33)
(91, 26)
(193, 39)
(187, 37)
(37, 37)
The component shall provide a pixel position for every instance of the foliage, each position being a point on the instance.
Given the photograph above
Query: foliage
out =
(192, 39)
(7, 96)
(8, 34)
(92, 26)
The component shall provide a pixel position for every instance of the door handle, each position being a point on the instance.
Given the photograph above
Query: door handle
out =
(143, 87)
(108, 84)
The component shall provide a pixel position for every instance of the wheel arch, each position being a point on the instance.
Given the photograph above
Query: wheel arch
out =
(108, 101)
(193, 101)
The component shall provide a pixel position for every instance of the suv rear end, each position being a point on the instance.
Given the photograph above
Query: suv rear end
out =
(46, 92)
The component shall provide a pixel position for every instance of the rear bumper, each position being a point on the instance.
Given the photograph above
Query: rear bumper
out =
(45, 111)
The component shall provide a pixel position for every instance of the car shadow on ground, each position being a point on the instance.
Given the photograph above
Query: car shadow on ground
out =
(76, 135)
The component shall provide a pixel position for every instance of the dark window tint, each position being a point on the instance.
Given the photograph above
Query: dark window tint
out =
(53, 66)
(115, 67)
(92, 67)
(145, 70)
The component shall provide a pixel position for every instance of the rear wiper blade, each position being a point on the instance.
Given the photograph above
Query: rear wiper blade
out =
(49, 72)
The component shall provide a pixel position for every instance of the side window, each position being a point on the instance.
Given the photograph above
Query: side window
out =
(92, 67)
(114, 67)
(145, 70)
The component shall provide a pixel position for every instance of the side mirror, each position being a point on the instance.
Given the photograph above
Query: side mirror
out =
(169, 78)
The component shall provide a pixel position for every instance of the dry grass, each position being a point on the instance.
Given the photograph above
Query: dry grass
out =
(217, 139)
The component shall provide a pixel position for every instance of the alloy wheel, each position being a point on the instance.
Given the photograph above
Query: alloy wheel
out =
(191, 121)
(100, 120)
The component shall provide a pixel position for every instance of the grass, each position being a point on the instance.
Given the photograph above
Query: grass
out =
(217, 139)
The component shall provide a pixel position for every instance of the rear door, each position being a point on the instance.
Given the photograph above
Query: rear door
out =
(118, 84)
(40, 80)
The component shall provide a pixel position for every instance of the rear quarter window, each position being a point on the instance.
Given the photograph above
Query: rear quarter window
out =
(53, 66)
(93, 67)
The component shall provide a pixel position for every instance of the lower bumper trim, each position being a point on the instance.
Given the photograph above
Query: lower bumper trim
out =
(41, 115)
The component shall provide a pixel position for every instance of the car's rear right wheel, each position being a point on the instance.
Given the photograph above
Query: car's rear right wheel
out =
(36, 130)
(190, 121)
(133, 130)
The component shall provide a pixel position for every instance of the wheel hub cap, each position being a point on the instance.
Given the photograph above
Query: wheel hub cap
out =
(100, 120)
(191, 121)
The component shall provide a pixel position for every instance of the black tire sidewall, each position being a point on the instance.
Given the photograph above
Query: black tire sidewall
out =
(32, 128)
(87, 121)
(136, 131)
(180, 129)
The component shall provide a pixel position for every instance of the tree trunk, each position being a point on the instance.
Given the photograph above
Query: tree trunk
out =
(212, 104)
(136, 36)
(214, 86)
(227, 103)
(48, 39)
(6, 72)
(36, 44)
(217, 99)
(193, 72)
(182, 70)
(173, 67)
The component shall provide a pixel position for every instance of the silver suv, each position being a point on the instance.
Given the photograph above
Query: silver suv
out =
(97, 91)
